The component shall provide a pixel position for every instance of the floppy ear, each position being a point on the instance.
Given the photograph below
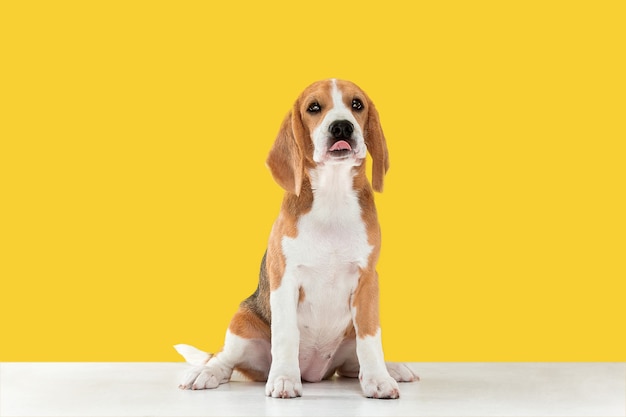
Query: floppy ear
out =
(286, 158)
(377, 147)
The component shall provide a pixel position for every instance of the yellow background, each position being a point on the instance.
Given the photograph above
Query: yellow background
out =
(136, 206)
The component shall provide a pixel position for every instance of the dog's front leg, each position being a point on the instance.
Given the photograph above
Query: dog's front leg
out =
(374, 376)
(284, 377)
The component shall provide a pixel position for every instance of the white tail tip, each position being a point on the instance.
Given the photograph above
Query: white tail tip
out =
(192, 355)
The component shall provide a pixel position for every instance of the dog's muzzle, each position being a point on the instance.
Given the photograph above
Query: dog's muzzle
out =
(341, 143)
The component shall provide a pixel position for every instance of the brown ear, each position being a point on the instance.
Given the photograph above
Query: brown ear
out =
(377, 147)
(286, 158)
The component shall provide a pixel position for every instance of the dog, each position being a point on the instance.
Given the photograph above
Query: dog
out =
(315, 310)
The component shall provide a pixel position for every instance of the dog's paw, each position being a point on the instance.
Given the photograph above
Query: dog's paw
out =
(384, 387)
(401, 373)
(283, 387)
(203, 378)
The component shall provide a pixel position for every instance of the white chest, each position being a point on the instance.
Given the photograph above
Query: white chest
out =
(324, 260)
(331, 244)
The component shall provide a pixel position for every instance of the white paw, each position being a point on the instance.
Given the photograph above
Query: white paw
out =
(203, 378)
(401, 373)
(283, 387)
(380, 387)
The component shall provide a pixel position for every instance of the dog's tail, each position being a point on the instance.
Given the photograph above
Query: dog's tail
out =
(193, 355)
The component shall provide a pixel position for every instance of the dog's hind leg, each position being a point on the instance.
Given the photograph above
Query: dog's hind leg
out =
(246, 349)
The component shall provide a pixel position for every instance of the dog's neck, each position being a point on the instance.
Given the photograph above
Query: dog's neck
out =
(332, 180)
(333, 186)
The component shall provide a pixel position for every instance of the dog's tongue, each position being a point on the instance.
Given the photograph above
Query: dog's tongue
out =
(341, 145)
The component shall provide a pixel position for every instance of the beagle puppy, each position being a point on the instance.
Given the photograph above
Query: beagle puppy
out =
(315, 310)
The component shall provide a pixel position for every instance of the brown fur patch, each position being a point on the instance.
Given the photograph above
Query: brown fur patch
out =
(365, 297)
(286, 157)
(286, 226)
(275, 261)
(292, 152)
(350, 332)
(366, 302)
(248, 325)
(377, 147)
(253, 374)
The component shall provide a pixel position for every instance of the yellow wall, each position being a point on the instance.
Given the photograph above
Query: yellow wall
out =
(135, 204)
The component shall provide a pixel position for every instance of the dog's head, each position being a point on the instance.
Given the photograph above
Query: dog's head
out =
(332, 122)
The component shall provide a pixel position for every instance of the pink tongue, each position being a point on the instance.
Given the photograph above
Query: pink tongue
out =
(341, 145)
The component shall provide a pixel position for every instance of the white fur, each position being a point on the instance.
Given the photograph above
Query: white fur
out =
(374, 376)
(192, 355)
(284, 376)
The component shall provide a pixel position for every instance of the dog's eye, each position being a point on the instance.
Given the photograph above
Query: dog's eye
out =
(314, 107)
(357, 104)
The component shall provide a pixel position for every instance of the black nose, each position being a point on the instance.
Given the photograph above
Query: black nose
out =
(341, 129)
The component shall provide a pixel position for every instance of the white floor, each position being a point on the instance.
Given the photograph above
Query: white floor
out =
(446, 389)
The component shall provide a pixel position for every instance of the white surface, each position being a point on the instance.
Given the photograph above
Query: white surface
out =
(446, 389)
